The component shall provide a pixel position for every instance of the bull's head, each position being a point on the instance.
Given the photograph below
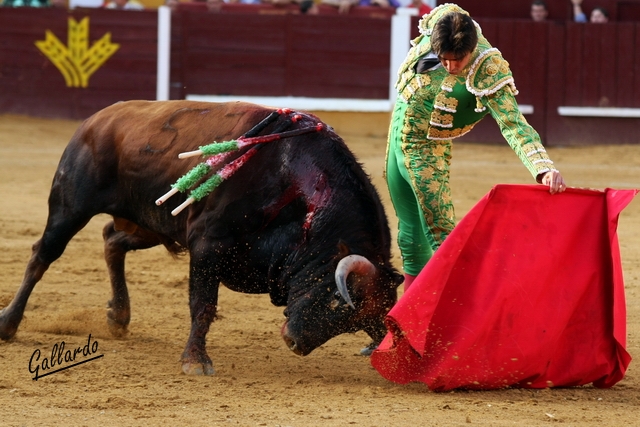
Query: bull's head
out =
(357, 296)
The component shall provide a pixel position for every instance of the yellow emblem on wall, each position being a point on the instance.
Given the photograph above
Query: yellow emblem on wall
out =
(76, 61)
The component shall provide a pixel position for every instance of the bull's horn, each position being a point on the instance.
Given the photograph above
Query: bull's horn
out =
(352, 264)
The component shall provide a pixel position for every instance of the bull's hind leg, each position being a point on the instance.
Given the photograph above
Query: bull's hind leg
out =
(121, 237)
(203, 301)
(61, 227)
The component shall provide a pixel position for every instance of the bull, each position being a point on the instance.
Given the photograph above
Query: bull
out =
(300, 221)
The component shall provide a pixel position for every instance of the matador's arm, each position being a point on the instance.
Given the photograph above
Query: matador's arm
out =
(522, 138)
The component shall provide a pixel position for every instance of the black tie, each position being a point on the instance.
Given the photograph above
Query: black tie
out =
(424, 64)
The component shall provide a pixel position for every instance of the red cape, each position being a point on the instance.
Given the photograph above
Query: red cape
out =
(526, 291)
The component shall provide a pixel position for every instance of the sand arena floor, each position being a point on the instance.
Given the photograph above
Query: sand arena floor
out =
(259, 382)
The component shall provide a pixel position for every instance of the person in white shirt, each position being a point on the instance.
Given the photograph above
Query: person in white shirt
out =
(124, 5)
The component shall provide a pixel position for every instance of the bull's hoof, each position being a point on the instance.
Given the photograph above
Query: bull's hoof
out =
(190, 368)
(117, 329)
(8, 328)
(118, 322)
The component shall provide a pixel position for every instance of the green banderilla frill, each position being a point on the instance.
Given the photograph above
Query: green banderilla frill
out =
(219, 147)
(206, 187)
(190, 179)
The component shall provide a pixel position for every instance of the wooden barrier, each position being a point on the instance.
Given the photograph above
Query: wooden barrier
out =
(285, 55)
(557, 65)
(32, 84)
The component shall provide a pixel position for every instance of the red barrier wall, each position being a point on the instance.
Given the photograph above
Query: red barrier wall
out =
(285, 55)
(555, 64)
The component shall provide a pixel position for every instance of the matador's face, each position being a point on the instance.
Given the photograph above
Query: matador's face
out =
(454, 65)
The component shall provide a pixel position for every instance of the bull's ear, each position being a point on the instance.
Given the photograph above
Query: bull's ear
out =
(343, 249)
(398, 279)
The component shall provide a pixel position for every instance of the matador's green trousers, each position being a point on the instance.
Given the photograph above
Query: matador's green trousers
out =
(417, 173)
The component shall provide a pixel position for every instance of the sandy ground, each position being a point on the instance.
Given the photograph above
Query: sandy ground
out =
(258, 382)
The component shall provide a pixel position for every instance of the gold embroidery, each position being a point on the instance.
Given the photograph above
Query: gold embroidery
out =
(443, 102)
(448, 83)
(492, 70)
(439, 150)
(427, 173)
(434, 186)
(425, 80)
(435, 133)
(504, 66)
(509, 106)
(446, 198)
(441, 120)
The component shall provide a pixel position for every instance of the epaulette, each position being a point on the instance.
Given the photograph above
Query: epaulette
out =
(488, 74)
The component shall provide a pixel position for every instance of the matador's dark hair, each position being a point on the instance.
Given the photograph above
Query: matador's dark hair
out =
(454, 33)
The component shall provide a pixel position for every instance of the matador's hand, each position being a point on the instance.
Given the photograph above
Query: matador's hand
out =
(555, 181)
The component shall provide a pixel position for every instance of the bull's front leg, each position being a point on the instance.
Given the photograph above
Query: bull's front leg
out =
(203, 300)
(120, 237)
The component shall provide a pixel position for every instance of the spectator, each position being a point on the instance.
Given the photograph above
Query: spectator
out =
(599, 15)
(172, 4)
(423, 8)
(342, 5)
(214, 6)
(124, 5)
(345, 5)
(306, 6)
(381, 3)
(539, 11)
(310, 7)
(24, 3)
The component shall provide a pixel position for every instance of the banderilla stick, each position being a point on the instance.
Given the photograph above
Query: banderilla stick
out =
(199, 171)
(222, 147)
(212, 183)
(185, 182)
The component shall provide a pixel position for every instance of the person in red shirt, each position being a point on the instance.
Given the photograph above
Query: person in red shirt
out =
(422, 7)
